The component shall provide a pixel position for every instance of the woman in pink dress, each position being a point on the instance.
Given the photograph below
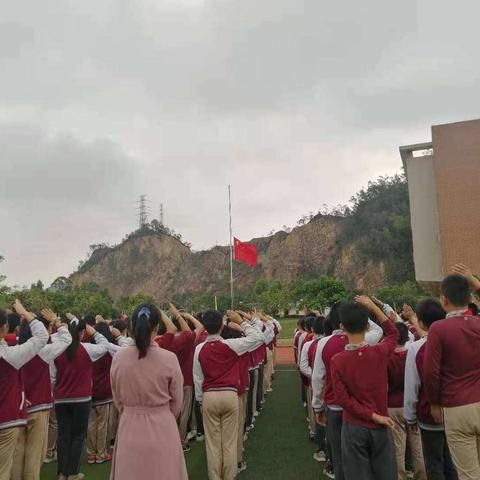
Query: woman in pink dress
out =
(147, 386)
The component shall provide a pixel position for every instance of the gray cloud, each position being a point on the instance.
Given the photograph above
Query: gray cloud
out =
(296, 104)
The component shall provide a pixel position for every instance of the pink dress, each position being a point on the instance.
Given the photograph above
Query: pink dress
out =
(148, 393)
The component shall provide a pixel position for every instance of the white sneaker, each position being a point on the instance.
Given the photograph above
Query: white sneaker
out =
(50, 459)
(320, 456)
(256, 414)
(78, 476)
(305, 404)
(242, 466)
(191, 435)
(200, 437)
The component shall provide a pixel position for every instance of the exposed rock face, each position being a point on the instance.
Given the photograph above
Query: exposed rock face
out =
(162, 266)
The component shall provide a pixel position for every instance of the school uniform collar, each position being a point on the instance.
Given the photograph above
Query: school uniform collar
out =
(354, 346)
(213, 338)
(338, 332)
(457, 313)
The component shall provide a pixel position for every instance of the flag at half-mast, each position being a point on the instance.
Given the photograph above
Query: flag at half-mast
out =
(245, 252)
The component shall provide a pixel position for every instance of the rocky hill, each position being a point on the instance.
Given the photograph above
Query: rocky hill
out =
(161, 265)
(367, 243)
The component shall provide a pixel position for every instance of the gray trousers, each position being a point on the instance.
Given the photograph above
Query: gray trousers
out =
(334, 437)
(368, 454)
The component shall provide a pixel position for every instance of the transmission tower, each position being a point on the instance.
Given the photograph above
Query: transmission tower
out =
(142, 211)
(160, 215)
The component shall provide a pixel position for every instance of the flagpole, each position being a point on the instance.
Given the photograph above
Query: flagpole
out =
(231, 244)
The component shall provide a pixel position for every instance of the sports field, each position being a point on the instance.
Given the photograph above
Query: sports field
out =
(278, 447)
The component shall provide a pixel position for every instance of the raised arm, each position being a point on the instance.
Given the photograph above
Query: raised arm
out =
(52, 350)
(375, 333)
(253, 335)
(464, 271)
(101, 346)
(198, 326)
(18, 355)
(181, 321)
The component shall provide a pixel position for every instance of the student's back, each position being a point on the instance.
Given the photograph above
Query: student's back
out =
(364, 370)
(453, 347)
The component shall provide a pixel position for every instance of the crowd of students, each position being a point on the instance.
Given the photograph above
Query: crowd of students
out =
(395, 395)
(147, 385)
(389, 395)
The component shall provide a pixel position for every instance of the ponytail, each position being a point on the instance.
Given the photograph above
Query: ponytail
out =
(75, 326)
(144, 320)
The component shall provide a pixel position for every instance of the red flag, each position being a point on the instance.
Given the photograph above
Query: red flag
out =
(245, 252)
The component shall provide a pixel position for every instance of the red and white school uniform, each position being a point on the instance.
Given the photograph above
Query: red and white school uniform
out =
(38, 392)
(307, 357)
(216, 373)
(184, 345)
(13, 411)
(396, 384)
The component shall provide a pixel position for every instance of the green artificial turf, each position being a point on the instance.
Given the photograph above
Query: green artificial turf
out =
(288, 327)
(278, 447)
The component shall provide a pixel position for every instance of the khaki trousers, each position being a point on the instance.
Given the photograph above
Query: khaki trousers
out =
(185, 413)
(311, 413)
(274, 355)
(113, 419)
(52, 434)
(97, 432)
(220, 419)
(30, 448)
(8, 442)
(242, 413)
(267, 376)
(400, 434)
(462, 428)
(255, 390)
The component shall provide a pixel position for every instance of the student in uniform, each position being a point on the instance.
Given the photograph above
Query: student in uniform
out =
(73, 374)
(327, 409)
(183, 347)
(13, 414)
(451, 372)
(216, 378)
(438, 461)
(98, 423)
(396, 383)
(30, 445)
(147, 388)
(269, 334)
(113, 417)
(317, 432)
(360, 383)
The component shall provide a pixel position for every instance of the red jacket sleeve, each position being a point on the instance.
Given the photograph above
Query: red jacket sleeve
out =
(389, 342)
(432, 364)
(344, 399)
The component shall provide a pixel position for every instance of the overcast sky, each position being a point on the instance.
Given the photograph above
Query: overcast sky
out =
(295, 103)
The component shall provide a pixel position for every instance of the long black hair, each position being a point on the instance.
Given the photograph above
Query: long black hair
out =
(75, 327)
(24, 332)
(144, 320)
